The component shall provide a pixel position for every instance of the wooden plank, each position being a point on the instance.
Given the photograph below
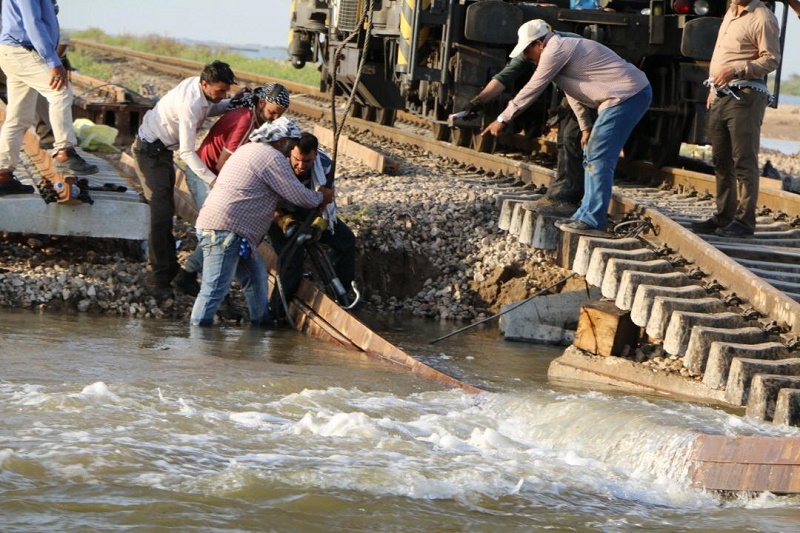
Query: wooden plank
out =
(747, 463)
(748, 449)
(360, 153)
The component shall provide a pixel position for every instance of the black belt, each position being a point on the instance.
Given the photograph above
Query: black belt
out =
(151, 149)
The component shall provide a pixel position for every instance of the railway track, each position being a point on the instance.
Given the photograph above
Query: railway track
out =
(733, 345)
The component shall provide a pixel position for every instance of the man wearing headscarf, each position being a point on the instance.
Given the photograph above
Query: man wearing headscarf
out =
(238, 213)
(248, 112)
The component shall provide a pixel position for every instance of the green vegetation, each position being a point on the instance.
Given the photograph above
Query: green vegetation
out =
(155, 44)
(790, 84)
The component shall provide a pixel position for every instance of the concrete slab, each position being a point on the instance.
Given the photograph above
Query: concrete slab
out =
(617, 266)
(545, 234)
(117, 215)
(632, 281)
(600, 257)
(586, 246)
(546, 319)
(663, 306)
(722, 354)
(787, 408)
(618, 372)
(743, 370)
(679, 331)
(701, 338)
(764, 394)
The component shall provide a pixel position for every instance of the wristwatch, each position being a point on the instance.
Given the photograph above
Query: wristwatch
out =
(501, 120)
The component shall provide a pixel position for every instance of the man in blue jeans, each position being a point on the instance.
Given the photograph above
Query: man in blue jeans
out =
(593, 77)
(238, 213)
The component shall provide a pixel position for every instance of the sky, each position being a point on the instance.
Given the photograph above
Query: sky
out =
(238, 22)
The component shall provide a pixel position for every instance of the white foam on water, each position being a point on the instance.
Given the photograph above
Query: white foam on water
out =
(432, 445)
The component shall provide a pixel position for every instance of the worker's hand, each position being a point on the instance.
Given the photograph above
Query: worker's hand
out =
(317, 228)
(495, 128)
(723, 77)
(58, 78)
(585, 134)
(327, 196)
(288, 225)
(710, 98)
(241, 91)
(472, 108)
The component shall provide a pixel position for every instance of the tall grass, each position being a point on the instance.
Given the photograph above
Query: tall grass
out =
(156, 44)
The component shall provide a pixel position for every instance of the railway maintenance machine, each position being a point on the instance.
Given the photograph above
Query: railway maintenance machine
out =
(430, 57)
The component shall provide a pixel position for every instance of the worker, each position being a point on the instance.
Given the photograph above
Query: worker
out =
(238, 213)
(173, 124)
(247, 113)
(747, 50)
(593, 77)
(313, 169)
(28, 58)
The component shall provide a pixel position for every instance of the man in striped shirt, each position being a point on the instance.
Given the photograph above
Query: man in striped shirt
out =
(238, 213)
(593, 77)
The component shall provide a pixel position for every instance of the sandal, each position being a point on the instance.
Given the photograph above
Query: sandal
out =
(15, 187)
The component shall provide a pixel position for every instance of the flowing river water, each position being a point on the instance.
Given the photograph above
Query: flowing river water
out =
(128, 425)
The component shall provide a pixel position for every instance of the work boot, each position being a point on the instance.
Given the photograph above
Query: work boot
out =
(548, 206)
(186, 282)
(68, 162)
(11, 185)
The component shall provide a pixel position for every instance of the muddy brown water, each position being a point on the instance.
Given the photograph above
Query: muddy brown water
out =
(111, 424)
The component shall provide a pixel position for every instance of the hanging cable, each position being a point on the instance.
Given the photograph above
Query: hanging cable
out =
(338, 128)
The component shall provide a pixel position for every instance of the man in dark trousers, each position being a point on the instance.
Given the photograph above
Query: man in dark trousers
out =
(747, 49)
(172, 125)
(312, 167)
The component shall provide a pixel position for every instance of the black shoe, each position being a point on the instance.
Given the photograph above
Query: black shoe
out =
(705, 226)
(68, 162)
(15, 187)
(186, 282)
(560, 222)
(734, 229)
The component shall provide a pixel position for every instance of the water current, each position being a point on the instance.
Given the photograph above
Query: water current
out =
(128, 425)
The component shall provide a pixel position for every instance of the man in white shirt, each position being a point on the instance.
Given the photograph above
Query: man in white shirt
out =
(172, 125)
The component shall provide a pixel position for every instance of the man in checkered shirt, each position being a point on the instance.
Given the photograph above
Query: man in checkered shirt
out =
(238, 213)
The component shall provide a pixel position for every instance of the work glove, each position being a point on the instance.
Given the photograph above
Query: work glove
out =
(317, 228)
(472, 108)
(288, 225)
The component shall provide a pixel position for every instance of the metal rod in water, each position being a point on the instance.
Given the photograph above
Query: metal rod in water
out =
(523, 302)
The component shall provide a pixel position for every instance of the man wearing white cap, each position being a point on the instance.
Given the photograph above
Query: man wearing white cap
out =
(593, 77)
(237, 215)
